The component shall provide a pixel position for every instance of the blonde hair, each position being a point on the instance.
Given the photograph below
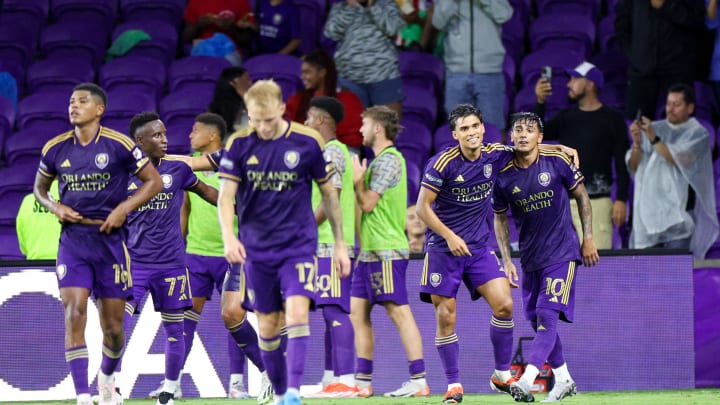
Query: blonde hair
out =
(264, 94)
(387, 118)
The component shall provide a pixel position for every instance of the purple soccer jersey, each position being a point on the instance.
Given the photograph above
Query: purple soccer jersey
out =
(276, 218)
(464, 190)
(155, 237)
(92, 178)
(540, 204)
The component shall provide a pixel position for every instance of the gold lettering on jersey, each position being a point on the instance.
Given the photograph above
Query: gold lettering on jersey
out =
(273, 180)
(536, 201)
(94, 181)
(161, 201)
(474, 193)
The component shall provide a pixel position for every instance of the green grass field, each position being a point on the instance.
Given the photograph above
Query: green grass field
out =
(680, 397)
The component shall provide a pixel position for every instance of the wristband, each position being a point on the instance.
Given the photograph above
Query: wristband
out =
(656, 140)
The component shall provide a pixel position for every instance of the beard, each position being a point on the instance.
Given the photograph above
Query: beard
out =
(574, 99)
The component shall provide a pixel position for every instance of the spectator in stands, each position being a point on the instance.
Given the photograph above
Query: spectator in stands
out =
(669, 158)
(228, 98)
(600, 136)
(234, 18)
(418, 33)
(366, 58)
(659, 39)
(38, 229)
(474, 54)
(279, 22)
(320, 79)
(415, 229)
(712, 22)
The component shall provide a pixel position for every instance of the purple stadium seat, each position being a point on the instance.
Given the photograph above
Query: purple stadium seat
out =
(423, 70)
(525, 99)
(415, 135)
(613, 64)
(16, 44)
(510, 73)
(178, 137)
(513, 36)
(15, 183)
(24, 147)
(58, 74)
(137, 74)
(87, 41)
(414, 176)
(613, 95)
(43, 108)
(32, 15)
(170, 11)
(283, 69)
(559, 60)
(182, 107)
(562, 32)
(711, 131)
(85, 10)
(16, 70)
(9, 207)
(7, 115)
(704, 102)
(312, 15)
(123, 105)
(9, 247)
(606, 33)
(588, 8)
(420, 105)
(193, 69)
(164, 43)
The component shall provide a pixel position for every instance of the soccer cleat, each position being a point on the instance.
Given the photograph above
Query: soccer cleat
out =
(96, 398)
(337, 390)
(560, 390)
(497, 385)
(237, 391)
(365, 392)
(520, 391)
(409, 389)
(291, 398)
(265, 396)
(84, 399)
(453, 396)
(107, 395)
(176, 395)
(165, 398)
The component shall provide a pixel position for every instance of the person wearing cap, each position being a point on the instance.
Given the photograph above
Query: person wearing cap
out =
(600, 136)
(333, 292)
(668, 158)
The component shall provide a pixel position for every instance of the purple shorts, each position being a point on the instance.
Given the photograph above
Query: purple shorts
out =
(442, 273)
(380, 281)
(169, 288)
(552, 287)
(331, 289)
(93, 260)
(206, 273)
(269, 283)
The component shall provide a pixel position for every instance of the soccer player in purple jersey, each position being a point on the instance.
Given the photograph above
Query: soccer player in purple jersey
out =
(157, 246)
(269, 169)
(93, 164)
(537, 186)
(454, 202)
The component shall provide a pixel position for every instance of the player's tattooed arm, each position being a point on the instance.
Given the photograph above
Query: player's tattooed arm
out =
(502, 234)
(331, 204)
(588, 248)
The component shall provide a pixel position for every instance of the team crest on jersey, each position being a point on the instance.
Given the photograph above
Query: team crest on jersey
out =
(292, 158)
(101, 160)
(137, 153)
(167, 180)
(61, 271)
(544, 179)
(487, 171)
(435, 279)
(251, 295)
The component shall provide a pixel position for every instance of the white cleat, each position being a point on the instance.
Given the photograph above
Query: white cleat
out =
(409, 389)
(165, 398)
(520, 391)
(118, 399)
(266, 390)
(107, 395)
(560, 390)
(154, 394)
(237, 391)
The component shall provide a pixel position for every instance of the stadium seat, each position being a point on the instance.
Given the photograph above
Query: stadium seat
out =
(16, 44)
(9, 247)
(7, 115)
(32, 15)
(558, 60)
(123, 105)
(16, 70)
(194, 69)
(563, 32)
(136, 74)
(525, 99)
(704, 102)
(43, 108)
(15, 183)
(283, 69)
(170, 11)
(58, 74)
(420, 105)
(414, 176)
(178, 137)
(606, 33)
(422, 70)
(81, 11)
(182, 107)
(68, 39)
(164, 43)
(587, 8)
(513, 37)
(613, 64)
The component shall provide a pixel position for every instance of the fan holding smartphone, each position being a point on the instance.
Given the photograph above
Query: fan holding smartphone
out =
(543, 88)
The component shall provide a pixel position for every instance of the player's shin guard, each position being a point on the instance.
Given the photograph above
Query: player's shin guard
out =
(246, 337)
(448, 348)
(298, 337)
(237, 356)
(274, 360)
(190, 323)
(328, 345)
(545, 336)
(556, 357)
(501, 336)
(127, 319)
(110, 359)
(77, 360)
(342, 338)
(174, 344)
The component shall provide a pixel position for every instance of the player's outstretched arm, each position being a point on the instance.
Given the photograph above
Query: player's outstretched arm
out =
(206, 192)
(331, 206)
(502, 234)
(572, 153)
(456, 244)
(234, 249)
(589, 251)
(62, 211)
(152, 184)
(196, 163)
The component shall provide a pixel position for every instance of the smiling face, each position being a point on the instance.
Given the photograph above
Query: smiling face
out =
(152, 138)
(312, 76)
(84, 108)
(526, 135)
(469, 132)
